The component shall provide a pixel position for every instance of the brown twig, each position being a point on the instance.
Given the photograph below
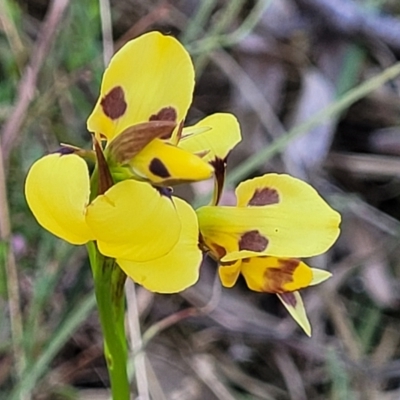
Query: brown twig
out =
(27, 85)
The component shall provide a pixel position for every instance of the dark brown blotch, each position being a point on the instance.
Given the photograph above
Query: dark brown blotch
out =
(263, 197)
(276, 278)
(113, 103)
(158, 168)
(165, 114)
(253, 241)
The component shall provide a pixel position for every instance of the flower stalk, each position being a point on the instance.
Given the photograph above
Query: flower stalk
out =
(109, 282)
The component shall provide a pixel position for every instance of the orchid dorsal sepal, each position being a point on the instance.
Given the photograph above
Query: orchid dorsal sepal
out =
(149, 78)
(135, 138)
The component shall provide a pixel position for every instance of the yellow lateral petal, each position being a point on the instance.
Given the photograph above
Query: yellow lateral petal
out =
(294, 304)
(275, 275)
(229, 274)
(277, 215)
(163, 163)
(319, 276)
(220, 137)
(151, 77)
(132, 220)
(176, 270)
(57, 190)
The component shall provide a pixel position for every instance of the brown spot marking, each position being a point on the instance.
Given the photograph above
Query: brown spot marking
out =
(165, 114)
(253, 241)
(158, 168)
(113, 103)
(264, 197)
(276, 278)
(289, 299)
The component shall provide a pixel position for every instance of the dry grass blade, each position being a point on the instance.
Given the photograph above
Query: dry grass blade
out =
(27, 85)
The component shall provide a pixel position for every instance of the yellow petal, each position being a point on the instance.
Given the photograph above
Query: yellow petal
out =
(229, 274)
(214, 136)
(294, 304)
(134, 221)
(275, 275)
(277, 215)
(57, 190)
(163, 163)
(150, 78)
(319, 276)
(214, 235)
(176, 270)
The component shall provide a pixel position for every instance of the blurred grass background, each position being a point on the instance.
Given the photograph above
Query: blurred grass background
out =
(315, 86)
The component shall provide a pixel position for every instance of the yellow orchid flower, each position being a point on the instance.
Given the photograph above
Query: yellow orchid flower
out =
(148, 233)
(277, 219)
(145, 94)
(123, 212)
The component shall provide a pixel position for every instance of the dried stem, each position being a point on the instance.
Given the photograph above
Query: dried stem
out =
(11, 275)
(27, 85)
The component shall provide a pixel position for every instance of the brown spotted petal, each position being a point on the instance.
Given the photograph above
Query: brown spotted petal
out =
(284, 277)
(164, 164)
(151, 78)
(276, 275)
(287, 211)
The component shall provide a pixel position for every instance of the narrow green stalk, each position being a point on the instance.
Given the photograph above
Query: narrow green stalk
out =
(109, 282)
(196, 25)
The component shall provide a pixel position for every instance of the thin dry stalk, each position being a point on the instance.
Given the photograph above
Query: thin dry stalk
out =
(12, 275)
(27, 85)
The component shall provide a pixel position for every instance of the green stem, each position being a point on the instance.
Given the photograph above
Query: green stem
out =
(109, 282)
